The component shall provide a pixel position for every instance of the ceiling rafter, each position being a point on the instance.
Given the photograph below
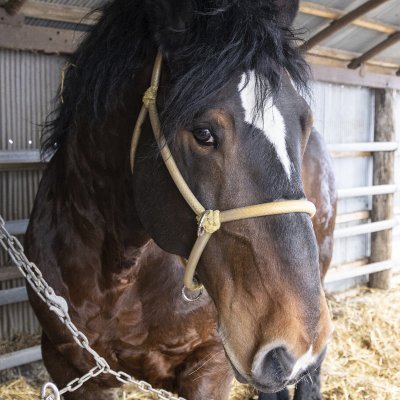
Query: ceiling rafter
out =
(340, 23)
(379, 48)
(59, 12)
(318, 10)
(343, 57)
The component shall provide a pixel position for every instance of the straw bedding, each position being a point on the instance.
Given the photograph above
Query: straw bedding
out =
(363, 362)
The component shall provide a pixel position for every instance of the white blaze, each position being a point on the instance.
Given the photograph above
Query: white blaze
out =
(303, 363)
(271, 122)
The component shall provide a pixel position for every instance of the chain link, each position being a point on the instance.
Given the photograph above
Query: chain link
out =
(59, 306)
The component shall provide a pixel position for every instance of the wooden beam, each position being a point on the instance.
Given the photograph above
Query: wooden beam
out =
(9, 273)
(344, 57)
(354, 216)
(340, 23)
(379, 48)
(59, 12)
(352, 264)
(318, 10)
(35, 38)
(383, 174)
(351, 77)
(28, 166)
(13, 6)
(346, 154)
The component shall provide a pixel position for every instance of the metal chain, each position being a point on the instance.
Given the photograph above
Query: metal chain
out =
(59, 306)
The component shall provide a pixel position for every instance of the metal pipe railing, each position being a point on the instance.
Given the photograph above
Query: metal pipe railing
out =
(363, 147)
(365, 228)
(366, 191)
(20, 357)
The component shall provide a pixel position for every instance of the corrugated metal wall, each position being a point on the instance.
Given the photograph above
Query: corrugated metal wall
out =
(345, 114)
(28, 83)
(396, 232)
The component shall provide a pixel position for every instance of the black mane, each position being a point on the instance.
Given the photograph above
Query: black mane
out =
(219, 39)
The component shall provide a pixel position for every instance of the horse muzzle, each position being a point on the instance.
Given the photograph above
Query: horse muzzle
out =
(274, 370)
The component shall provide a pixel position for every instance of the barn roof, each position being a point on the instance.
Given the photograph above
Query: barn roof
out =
(355, 35)
(376, 26)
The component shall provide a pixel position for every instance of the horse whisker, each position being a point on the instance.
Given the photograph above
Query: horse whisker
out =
(206, 361)
(309, 375)
(203, 375)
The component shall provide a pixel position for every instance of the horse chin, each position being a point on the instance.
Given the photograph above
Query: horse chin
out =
(238, 376)
(259, 387)
(245, 381)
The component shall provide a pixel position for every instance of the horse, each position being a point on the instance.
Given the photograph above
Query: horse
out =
(113, 240)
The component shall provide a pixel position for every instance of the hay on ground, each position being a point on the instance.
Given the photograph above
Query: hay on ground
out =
(363, 361)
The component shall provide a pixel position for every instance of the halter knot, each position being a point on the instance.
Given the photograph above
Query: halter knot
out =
(209, 222)
(150, 96)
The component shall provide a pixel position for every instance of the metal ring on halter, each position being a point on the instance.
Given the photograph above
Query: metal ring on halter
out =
(200, 229)
(55, 395)
(189, 299)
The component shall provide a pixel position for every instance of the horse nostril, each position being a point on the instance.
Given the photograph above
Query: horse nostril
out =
(276, 366)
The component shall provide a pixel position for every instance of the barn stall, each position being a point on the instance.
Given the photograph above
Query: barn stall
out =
(353, 48)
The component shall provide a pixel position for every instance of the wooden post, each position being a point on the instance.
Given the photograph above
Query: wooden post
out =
(382, 205)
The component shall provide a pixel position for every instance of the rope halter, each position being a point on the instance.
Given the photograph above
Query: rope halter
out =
(209, 221)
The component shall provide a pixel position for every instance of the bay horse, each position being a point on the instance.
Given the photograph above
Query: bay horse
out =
(113, 243)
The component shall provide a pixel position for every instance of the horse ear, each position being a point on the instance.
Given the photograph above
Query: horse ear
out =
(289, 9)
(169, 20)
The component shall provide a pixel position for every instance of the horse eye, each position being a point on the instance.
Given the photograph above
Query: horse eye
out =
(204, 136)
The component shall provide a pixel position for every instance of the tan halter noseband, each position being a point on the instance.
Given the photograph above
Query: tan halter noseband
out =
(209, 221)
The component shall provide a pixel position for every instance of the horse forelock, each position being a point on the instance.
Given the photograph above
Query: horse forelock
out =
(218, 39)
(226, 38)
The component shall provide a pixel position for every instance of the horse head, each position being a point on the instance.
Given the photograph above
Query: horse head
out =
(237, 129)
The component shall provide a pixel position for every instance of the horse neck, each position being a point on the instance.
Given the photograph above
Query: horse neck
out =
(91, 180)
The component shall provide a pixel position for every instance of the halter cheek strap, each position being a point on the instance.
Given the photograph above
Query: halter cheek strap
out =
(209, 221)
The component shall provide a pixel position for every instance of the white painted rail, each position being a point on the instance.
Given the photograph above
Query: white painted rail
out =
(19, 156)
(13, 296)
(17, 227)
(366, 191)
(348, 273)
(363, 147)
(20, 357)
(365, 228)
